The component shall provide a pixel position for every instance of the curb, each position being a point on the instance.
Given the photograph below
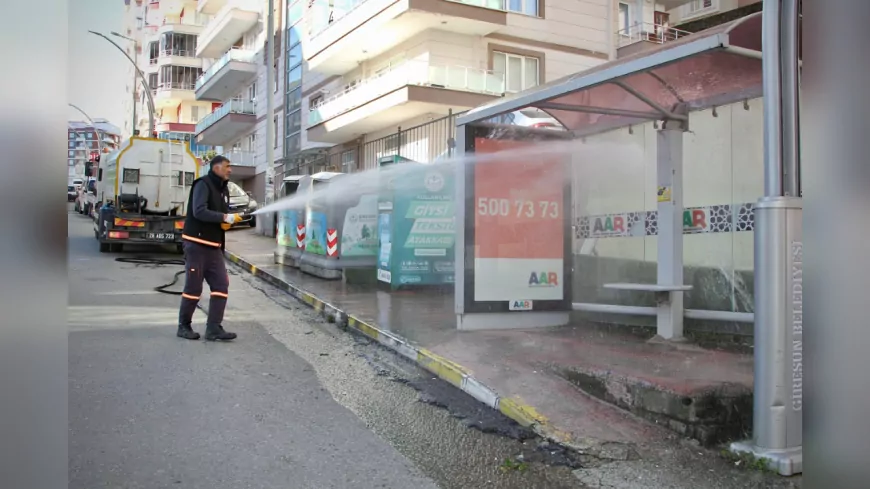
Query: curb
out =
(457, 375)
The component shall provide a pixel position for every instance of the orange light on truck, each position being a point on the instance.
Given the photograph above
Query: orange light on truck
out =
(118, 235)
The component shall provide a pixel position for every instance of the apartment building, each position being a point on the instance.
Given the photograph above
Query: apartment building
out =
(162, 38)
(642, 24)
(395, 72)
(86, 141)
(232, 48)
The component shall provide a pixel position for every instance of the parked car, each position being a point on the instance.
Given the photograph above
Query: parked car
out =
(71, 193)
(535, 118)
(243, 203)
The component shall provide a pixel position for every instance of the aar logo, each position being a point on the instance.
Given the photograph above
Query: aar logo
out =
(544, 279)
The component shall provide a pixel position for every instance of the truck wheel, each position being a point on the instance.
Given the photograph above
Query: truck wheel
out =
(104, 247)
(253, 221)
(179, 249)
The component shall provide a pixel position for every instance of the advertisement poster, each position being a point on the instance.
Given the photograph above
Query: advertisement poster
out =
(424, 228)
(385, 233)
(315, 238)
(287, 228)
(519, 226)
(359, 234)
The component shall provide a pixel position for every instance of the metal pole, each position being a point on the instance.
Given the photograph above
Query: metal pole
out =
(266, 222)
(790, 74)
(270, 103)
(772, 81)
(94, 125)
(777, 417)
(135, 99)
(141, 77)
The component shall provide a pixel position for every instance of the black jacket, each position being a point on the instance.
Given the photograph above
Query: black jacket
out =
(206, 206)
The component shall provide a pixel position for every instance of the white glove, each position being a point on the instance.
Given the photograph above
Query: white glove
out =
(230, 218)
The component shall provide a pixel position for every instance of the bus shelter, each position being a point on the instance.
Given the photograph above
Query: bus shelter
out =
(711, 68)
(715, 67)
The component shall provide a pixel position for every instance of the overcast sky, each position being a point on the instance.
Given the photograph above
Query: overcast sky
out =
(98, 72)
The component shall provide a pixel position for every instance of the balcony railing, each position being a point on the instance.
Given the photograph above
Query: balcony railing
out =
(179, 85)
(231, 107)
(195, 19)
(241, 158)
(178, 52)
(648, 32)
(341, 8)
(233, 54)
(409, 73)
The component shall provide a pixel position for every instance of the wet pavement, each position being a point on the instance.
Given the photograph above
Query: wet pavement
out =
(293, 402)
(532, 366)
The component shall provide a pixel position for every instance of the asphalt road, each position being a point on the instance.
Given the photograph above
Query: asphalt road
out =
(293, 403)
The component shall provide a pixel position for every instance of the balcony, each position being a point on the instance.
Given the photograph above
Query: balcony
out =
(241, 158)
(178, 57)
(642, 36)
(227, 26)
(171, 94)
(190, 24)
(364, 29)
(226, 123)
(227, 75)
(406, 91)
(210, 6)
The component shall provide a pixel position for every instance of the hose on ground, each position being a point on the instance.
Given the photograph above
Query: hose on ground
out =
(158, 262)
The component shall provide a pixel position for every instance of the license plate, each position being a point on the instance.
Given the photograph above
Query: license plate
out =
(160, 236)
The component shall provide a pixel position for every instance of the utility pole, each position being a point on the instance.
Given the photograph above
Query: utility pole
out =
(135, 98)
(270, 117)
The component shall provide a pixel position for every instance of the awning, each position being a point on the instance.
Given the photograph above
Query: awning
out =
(717, 66)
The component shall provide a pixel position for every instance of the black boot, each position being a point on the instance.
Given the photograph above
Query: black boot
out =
(216, 332)
(186, 332)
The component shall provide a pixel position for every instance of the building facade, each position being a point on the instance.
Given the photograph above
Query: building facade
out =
(643, 24)
(161, 36)
(382, 79)
(234, 81)
(85, 142)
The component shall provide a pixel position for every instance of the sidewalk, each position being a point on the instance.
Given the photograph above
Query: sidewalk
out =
(554, 379)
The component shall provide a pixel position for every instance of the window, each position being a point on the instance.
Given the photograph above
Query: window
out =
(697, 6)
(194, 114)
(252, 142)
(275, 122)
(294, 78)
(315, 101)
(153, 52)
(624, 19)
(152, 81)
(520, 72)
(294, 100)
(528, 7)
(179, 77)
(175, 44)
(294, 122)
(347, 161)
(252, 92)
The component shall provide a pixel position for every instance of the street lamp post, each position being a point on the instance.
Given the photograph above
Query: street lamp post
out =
(135, 62)
(94, 125)
(141, 77)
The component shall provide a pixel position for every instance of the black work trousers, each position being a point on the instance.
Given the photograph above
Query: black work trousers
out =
(202, 262)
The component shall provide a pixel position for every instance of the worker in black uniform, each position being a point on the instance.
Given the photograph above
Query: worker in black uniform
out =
(207, 220)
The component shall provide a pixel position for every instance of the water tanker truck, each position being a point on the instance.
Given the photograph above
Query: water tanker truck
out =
(144, 187)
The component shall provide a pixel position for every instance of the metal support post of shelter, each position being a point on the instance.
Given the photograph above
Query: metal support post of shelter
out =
(777, 434)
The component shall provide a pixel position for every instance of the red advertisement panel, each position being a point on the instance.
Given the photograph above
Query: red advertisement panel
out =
(519, 226)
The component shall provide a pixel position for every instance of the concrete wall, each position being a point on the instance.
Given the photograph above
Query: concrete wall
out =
(614, 177)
